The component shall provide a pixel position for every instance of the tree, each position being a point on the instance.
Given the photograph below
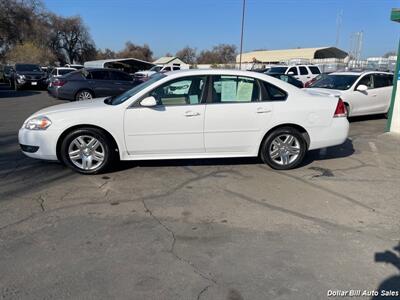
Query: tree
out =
(20, 21)
(390, 53)
(70, 39)
(187, 54)
(30, 53)
(106, 54)
(220, 54)
(136, 51)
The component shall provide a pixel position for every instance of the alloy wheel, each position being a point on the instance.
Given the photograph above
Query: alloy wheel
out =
(284, 149)
(86, 152)
(85, 95)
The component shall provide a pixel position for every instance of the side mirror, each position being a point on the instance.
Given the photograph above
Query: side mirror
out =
(148, 102)
(291, 73)
(362, 88)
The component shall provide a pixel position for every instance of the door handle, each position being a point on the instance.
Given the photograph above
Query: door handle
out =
(261, 110)
(191, 114)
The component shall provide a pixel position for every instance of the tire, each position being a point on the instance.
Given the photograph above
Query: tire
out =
(76, 151)
(83, 95)
(280, 153)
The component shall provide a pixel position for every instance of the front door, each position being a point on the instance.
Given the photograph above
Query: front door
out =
(364, 102)
(236, 117)
(174, 126)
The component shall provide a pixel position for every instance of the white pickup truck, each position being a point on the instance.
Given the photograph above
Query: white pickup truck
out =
(157, 69)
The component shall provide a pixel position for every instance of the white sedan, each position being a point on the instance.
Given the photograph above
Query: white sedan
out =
(189, 114)
(364, 93)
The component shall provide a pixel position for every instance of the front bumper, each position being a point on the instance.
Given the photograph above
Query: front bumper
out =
(31, 83)
(44, 142)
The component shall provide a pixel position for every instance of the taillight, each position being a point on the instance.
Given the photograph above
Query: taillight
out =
(59, 82)
(341, 110)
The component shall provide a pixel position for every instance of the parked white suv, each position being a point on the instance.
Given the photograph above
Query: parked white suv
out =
(364, 93)
(157, 69)
(303, 73)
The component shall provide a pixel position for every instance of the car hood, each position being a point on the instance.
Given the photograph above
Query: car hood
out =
(323, 92)
(71, 106)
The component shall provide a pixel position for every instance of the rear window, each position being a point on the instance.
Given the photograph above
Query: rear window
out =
(335, 82)
(272, 93)
(314, 70)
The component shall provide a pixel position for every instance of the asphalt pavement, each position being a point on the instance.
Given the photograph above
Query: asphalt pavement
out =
(199, 229)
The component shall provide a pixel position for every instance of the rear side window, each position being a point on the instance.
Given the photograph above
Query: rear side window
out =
(100, 75)
(120, 76)
(176, 68)
(293, 70)
(314, 70)
(272, 92)
(303, 71)
(382, 80)
(234, 89)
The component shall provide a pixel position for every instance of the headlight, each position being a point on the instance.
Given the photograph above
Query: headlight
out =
(21, 76)
(38, 123)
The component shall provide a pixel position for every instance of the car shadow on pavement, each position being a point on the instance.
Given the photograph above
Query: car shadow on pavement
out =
(391, 284)
(17, 94)
(344, 150)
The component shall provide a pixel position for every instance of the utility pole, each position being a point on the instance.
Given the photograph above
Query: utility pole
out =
(338, 26)
(241, 35)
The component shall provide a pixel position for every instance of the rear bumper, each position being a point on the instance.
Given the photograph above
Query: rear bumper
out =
(335, 134)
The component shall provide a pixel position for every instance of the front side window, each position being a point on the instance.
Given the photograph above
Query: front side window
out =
(303, 71)
(293, 71)
(234, 89)
(366, 80)
(182, 91)
(167, 69)
(120, 76)
(100, 75)
(132, 92)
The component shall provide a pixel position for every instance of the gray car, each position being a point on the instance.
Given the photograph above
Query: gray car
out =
(86, 84)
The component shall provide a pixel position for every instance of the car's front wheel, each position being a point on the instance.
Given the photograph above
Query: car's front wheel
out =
(84, 95)
(87, 151)
(283, 149)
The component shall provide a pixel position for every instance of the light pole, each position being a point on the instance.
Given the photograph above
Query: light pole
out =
(241, 35)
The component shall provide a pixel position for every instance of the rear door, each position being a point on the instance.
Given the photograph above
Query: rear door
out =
(101, 83)
(235, 116)
(304, 74)
(383, 85)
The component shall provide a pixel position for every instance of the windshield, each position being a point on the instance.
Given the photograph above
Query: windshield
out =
(28, 68)
(335, 82)
(155, 69)
(277, 70)
(128, 94)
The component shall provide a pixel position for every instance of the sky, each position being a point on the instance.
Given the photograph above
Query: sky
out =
(170, 25)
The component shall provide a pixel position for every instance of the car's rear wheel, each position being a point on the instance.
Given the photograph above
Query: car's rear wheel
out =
(87, 151)
(84, 95)
(283, 149)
